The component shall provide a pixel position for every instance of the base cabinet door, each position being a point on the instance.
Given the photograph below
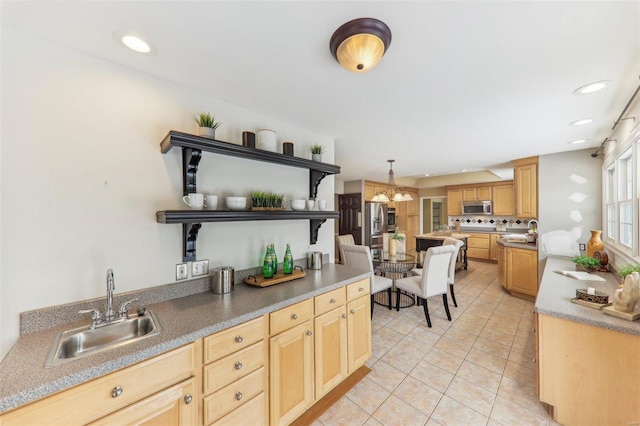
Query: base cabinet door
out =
(331, 350)
(502, 265)
(176, 405)
(522, 271)
(358, 332)
(291, 378)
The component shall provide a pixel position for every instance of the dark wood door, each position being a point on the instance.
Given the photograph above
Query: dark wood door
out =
(350, 209)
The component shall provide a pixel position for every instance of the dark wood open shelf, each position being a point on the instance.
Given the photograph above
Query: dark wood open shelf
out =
(201, 216)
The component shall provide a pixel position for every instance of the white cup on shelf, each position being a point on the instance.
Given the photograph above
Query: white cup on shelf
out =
(194, 200)
(211, 202)
(310, 204)
(322, 204)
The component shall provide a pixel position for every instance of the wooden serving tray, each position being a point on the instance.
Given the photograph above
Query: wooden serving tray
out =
(590, 304)
(629, 317)
(280, 277)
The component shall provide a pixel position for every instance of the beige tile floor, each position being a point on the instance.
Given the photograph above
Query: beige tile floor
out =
(475, 370)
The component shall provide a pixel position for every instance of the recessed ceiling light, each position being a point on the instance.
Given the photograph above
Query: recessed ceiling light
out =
(581, 122)
(463, 170)
(133, 41)
(426, 175)
(577, 141)
(591, 87)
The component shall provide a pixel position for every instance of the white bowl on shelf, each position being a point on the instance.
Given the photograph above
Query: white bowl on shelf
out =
(236, 203)
(298, 205)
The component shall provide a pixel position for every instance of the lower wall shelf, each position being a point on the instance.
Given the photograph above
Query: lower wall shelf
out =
(192, 220)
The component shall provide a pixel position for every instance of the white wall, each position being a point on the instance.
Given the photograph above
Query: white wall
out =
(83, 177)
(559, 178)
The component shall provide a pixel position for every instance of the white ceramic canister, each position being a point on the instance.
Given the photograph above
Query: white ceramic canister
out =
(267, 140)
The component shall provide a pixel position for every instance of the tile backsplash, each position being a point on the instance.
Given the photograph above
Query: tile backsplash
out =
(489, 222)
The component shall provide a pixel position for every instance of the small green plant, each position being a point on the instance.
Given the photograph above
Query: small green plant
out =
(587, 262)
(396, 235)
(207, 120)
(626, 270)
(266, 199)
(317, 149)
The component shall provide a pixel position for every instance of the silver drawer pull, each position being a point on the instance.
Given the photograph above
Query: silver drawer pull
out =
(361, 289)
(188, 398)
(344, 315)
(294, 316)
(353, 311)
(239, 339)
(116, 392)
(309, 333)
(332, 301)
(238, 365)
(533, 330)
(238, 396)
(533, 360)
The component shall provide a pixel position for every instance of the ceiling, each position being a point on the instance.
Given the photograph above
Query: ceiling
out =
(464, 85)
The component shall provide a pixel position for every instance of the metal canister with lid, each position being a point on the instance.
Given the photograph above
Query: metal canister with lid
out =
(222, 279)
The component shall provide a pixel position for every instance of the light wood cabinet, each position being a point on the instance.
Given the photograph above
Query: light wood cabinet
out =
(522, 271)
(478, 246)
(502, 265)
(588, 374)
(493, 246)
(234, 372)
(330, 331)
(412, 206)
(413, 223)
(476, 193)
(525, 181)
(291, 378)
(454, 202)
(502, 196)
(138, 384)
(359, 331)
(173, 406)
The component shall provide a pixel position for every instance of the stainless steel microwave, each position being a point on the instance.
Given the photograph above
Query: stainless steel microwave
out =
(476, 207)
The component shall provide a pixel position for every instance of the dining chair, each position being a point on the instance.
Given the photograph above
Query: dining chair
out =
(452, 266)
(359, 257)
(401, 246)
(434, 279)
(342, 240)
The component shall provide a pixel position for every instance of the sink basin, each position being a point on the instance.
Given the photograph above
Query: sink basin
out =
(83, 341)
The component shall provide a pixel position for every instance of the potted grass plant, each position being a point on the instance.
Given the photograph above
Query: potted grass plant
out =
(316, 152)
(207, 125)
(264, 201)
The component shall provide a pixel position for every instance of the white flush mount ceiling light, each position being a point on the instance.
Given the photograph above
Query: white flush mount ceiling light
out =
(591, 87)
(359, 45)
(577, 141)
(581, 122)
(134, 42)
(395, 194)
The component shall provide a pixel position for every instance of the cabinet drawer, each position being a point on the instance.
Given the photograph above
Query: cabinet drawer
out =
(93, 400)
(331, 300)
(233, 396)
(478, 243)
(290, 316)
(478, 253)
(224, 371)
(358, 289)
(229, 341)
(252, 413)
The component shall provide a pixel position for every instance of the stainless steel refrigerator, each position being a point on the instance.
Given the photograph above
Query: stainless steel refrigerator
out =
(375, 224)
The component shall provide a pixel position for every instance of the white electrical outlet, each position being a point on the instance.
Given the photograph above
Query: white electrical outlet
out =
(181, 271)
(199, 267)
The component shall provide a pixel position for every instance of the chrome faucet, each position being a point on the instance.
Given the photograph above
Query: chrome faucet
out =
(110, 315)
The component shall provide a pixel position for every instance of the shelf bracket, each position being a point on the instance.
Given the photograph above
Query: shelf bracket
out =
(314, 228)
(189, 237)
(190, 160)
(315, 177)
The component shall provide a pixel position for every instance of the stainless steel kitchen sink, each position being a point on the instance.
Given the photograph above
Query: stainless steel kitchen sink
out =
(84, 341)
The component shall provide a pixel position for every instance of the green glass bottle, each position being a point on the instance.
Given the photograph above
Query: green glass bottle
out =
(274, 260)
(287, 262)
(267, 266)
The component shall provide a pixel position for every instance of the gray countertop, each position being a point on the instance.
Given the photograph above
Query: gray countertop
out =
(526, 246)
(556, 291)
(186, 319)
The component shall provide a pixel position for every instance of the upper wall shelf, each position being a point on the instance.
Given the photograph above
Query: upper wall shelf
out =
(193, 145)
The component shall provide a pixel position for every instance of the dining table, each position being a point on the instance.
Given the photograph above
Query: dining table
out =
(394, 266)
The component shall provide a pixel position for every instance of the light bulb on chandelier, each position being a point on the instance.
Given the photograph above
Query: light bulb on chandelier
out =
(395, 194)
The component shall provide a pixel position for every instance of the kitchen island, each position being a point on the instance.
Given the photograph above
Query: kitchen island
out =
(588, 362)
(431, 239)
(184, 319)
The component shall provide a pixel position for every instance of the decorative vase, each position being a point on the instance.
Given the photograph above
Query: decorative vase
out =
(595, 243)
(316, 157)
(207, 132)
(267, 140)
(392, 247)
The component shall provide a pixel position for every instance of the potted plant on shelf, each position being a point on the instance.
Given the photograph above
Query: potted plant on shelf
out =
(316, 152)
(393, 237)
(266, 201)
(207, 125)
(586, 263)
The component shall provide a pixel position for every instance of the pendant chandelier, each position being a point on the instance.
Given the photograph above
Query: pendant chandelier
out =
(394, 194)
